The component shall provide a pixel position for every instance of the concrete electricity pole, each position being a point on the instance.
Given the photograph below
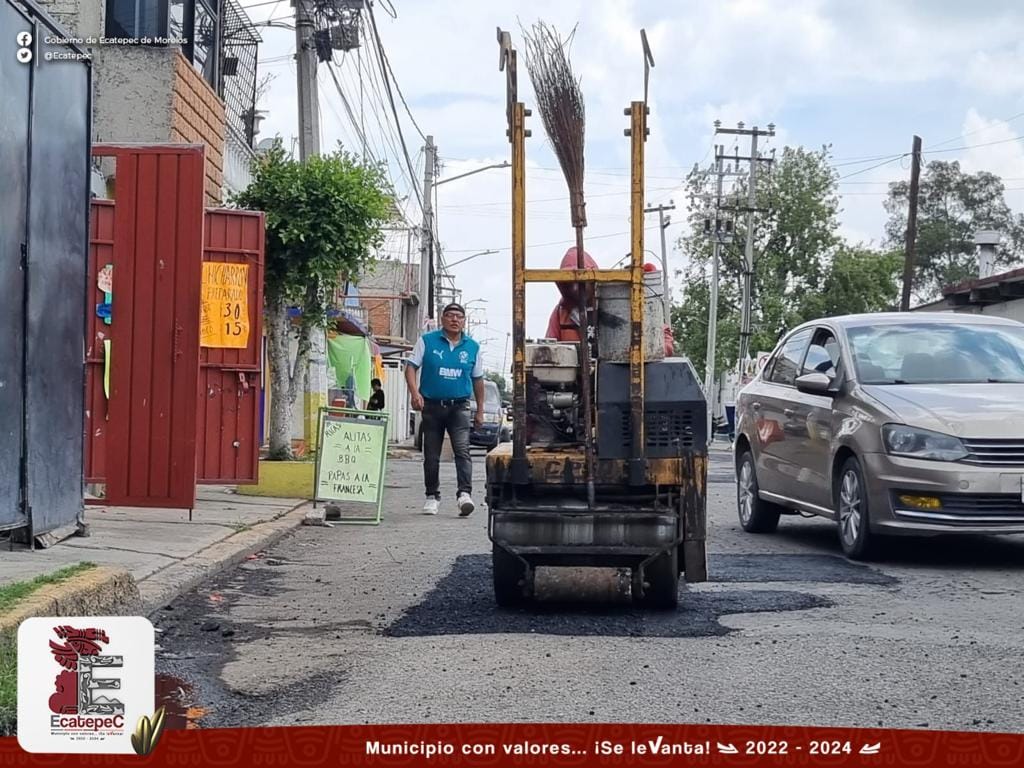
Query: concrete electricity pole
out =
(748, 256)
(709, 358)
(316, 385)
(426, 307)
(305, 67)
(663, 222)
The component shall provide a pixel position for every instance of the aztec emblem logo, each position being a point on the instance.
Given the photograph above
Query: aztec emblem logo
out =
(86, 685)
(80, 690)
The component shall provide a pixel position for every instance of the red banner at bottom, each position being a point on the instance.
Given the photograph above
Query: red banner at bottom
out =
(554, 745)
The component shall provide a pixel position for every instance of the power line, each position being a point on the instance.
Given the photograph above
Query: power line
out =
(345, 102)
(394, 112)
(980, 130)
(388, 134)
(975, 146)
(391, 72)
(873, 167)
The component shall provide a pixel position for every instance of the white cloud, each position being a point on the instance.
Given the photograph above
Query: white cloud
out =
(997, 148)
(1000, 71)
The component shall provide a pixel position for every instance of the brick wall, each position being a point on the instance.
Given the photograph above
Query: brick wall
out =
(197, 117)
(378, 313)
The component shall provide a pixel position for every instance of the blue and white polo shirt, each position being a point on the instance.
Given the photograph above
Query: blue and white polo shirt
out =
(447, 368)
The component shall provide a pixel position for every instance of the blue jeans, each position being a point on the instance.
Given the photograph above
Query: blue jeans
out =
(730, 418)
(453, 416)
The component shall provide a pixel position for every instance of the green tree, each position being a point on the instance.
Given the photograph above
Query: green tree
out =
(952, 206)
(802, 269)
(323, 218)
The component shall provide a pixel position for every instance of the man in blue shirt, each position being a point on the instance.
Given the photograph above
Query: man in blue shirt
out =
(451, 372)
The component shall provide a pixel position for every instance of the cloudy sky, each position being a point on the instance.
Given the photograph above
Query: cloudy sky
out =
(861, 75)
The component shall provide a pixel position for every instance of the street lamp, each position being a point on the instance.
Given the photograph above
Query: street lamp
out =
(488, 252)
(503, 164)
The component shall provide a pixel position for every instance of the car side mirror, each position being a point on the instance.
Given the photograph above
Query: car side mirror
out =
(814, 384)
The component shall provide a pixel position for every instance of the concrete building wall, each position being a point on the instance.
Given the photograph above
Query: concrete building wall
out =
(132, 94)
(81, 18)
(1013, 309)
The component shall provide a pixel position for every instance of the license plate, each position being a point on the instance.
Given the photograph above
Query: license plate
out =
(1012, 484)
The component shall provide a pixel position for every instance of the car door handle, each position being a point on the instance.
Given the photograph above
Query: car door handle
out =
(789, 412)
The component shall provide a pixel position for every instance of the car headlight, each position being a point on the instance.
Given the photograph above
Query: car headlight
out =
(491, 418)
(916, 443)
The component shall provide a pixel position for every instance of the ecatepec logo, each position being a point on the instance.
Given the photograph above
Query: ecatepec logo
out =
(84, 683)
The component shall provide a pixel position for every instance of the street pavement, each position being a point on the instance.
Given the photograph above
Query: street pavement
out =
(355, 624)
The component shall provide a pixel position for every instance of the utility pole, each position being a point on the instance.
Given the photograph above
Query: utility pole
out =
(908, 259)
(720, 231)
(316, 385)
(427, 236)
(663, 222)
(748, 256)
(709, 358)
(305, 67)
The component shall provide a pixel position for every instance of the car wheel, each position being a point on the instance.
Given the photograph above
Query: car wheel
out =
(852, 518)
(756, 515)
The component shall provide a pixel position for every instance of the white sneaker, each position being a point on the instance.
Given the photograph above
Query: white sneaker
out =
(430, 506)
(466, 505)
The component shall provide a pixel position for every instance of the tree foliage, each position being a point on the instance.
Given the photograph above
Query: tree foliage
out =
(952, 206)
(323, 219)
(802, 268)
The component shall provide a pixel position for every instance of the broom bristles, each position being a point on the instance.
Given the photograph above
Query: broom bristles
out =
(560, 102)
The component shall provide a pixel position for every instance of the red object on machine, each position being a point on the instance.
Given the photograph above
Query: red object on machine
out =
(562, 325)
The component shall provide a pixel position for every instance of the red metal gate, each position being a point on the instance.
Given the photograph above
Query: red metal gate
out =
(229, 402)
(228, 406)
(157, 255)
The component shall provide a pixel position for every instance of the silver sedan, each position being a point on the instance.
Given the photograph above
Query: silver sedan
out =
(907, 423)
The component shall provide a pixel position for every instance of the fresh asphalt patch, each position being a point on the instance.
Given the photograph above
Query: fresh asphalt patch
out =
(820, 569)
(462, 603)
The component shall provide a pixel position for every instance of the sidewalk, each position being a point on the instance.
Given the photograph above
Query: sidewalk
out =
(165, 553)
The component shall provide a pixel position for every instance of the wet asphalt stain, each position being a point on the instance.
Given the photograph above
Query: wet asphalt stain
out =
(820, 569)
(462, 603)
(197, 639)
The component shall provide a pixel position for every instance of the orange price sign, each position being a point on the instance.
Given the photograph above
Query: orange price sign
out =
(224, 317)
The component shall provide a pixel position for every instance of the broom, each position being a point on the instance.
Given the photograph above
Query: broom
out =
(560, 102)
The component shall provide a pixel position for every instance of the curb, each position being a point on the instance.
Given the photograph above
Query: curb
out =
(100, 591)
(162, 587)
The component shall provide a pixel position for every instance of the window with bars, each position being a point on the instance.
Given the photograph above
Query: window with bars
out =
(196, 22)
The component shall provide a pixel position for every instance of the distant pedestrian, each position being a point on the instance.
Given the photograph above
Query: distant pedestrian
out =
(451, 370)
(376, 401)
(730, 384)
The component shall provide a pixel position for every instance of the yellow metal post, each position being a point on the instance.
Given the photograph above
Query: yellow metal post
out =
(518, 135)
(638, 136)
(516, 114)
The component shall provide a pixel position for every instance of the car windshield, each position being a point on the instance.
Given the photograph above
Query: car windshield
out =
(938, 353)
(492, 398)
